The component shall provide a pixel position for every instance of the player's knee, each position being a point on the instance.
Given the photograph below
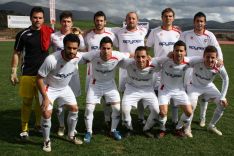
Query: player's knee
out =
(73, 108)
(163, 113)
(73, 115)
(89, 110)
(220, 109)
(47, 114)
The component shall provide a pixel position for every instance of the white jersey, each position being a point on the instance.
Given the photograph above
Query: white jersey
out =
(196, 44)
(203, 76)
(92, 40)
(56, 71)
(128, 41)
(104, 71)
(57, 41)
(162, 40)
(172, 75)
(139, 78)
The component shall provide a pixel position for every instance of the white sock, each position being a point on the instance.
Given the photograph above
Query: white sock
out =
(203, 108)
(60, 115)
(151, 120)
(218, 113)
(162, 121)
(89, 117)
(184, 119)
(46, 125)
(126, 110)
(72, 119)
(115, 116)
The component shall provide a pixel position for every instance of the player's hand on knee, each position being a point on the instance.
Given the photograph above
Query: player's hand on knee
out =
(224, 103)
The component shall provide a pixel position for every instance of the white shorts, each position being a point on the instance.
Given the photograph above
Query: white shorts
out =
(208, 93)
(62, 96)
(106, 89)
(133, 95)
(179, 96)
(75, 83)
(122, 79)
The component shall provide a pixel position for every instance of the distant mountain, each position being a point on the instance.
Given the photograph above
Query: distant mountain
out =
(19, 8)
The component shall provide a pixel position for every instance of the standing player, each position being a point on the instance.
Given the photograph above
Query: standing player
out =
(163, 39)
(52, 80)
(202, 84)
(172, 87)
(92, 41)
(196, 41)
(66, 22)
(29, 46)
(129, 38)
(104, 62)
(139, 86)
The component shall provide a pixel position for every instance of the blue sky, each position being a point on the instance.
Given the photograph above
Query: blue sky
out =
(222, 11)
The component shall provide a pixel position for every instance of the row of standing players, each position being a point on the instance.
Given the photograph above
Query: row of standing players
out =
(125, 39)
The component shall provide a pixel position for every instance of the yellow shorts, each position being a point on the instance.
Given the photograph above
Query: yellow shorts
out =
(28, 87)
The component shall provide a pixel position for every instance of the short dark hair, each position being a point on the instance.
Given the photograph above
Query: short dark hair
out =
(180, 43)
(199, 14)
(106, 40)
(36, 9)
(65, 14)
(210, 49)
(71, 38)
(168, 10)
(141, 48)
(98, 14)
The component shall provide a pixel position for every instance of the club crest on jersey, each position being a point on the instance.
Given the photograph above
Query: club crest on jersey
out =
(205, 40)
(191, 37)
(61, 66)
(201, 68)
(170, 66)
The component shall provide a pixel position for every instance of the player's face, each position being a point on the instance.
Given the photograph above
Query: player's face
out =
(199, 23)
(167, 19)
(106, 51)
(100, 22)
(66, 24)
(131, 21)
(179, 53)
(70, 50)
(141, 59)
(37, 20)
(210, 59)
